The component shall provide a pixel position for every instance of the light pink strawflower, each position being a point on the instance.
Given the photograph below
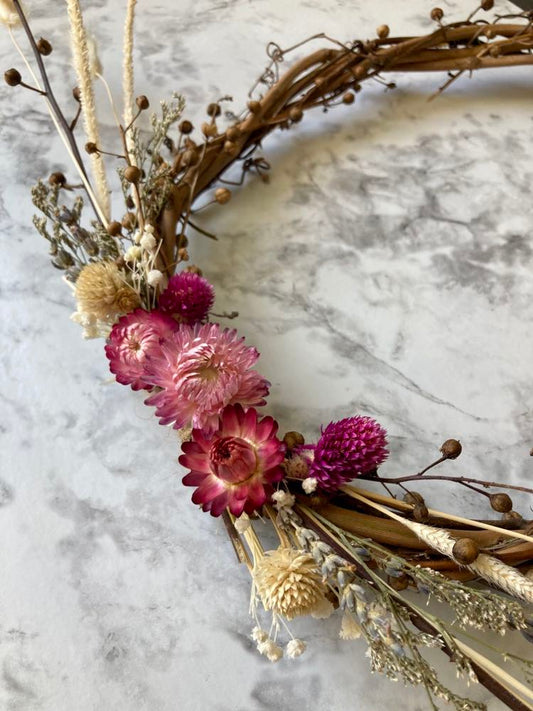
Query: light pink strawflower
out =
(235, 466)
(347, 449)
(132, 339)
(201, 369)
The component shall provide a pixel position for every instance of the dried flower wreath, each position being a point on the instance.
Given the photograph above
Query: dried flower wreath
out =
(340, 546)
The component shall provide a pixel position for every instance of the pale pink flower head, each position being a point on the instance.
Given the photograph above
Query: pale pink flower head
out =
(235, 466)
(135, 336)
(200, 370)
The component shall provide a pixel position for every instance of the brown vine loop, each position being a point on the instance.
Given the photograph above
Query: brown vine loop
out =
(324, 75)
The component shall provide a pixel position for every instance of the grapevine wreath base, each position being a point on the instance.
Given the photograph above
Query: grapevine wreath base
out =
(342, 549)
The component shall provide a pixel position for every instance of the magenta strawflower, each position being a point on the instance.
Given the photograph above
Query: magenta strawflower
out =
(132, 338)
(188, 297)
(235, 466)
(201, 369)
(347, 449)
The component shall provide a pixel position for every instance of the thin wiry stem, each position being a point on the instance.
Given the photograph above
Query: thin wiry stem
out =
(80, 53)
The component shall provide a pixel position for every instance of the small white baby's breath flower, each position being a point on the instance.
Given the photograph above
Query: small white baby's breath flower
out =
(242, 523)
(309, 485)
(259, 635)
(148, 241)
(295, 648)
(132, 254)
(150, 229)
(282, 499)
(270, 650)
(137, 236)
(154, 277)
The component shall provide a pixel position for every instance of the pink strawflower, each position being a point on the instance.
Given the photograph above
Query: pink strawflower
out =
(235, 466)
(346, 450)
(132, 339)
(188, 297)
(201, 369)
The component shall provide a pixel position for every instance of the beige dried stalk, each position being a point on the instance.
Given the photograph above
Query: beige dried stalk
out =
(128, 85)
(81, 56)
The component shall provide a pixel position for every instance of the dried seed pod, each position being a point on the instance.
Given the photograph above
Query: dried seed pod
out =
(114, 228)
(399, 582)
(209, 129)
(487, 5)
(91, 147)
(76, 93)
(44, 47)
(513, 518)
(233, 133)
(296, 114)
(132, 174)
(189, 158)
(57, 178)
(293, 439)
(213, 110)
(193, 269)
(383, 31)
(254, 106)
(182, 240)
(501, 502)
(465, 551)
(348, 98)
(186, 127)
(413, 498)
(142, 102)
(183, 255)
(12, 77)
(230, 147)
(222, 195)
(436, 14)
(451, 449)
(420, 513)
(129, 220)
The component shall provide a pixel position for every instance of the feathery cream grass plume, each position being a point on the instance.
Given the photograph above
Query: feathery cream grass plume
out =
(128, 77)
(102, 292)
(82, 64)
(487, 567)
(289, 584)
(8, 15)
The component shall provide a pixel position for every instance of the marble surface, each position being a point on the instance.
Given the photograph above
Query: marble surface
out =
(385, 270)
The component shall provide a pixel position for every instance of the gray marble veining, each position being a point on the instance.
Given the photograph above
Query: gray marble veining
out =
(386, 269)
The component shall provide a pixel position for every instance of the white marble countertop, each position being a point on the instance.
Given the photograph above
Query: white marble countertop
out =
(386, 270)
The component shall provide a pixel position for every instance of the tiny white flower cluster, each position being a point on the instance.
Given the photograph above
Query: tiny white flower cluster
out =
(142, 254)
(92, 326)
(272, 651)
(242, 523)
(309, 485)
(283, 500)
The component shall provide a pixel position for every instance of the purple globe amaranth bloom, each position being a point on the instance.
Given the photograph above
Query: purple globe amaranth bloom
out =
(347, 449)
(188, 297)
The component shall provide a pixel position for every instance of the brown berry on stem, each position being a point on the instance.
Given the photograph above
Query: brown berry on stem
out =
(487, 5)
(12, 77)
(132, 174)
(465, 551)
(91, 147)
(186, 127)
(142, 102)
(230, 147)
(348, 98)
(222, 195)
(383, 31)
(293, 439)
(296, 114)
(44, 47)
(436, 14)
(502, 503)
(451, 449)
(413, 498)
(129, 220)
(254, 106)
(114, 228)
(420, 513)
(76, 93)
(57, 178)
(213, 110)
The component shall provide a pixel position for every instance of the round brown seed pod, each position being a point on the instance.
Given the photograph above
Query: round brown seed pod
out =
(254, 106)
(129, 220)
(213, 110)
(189, 158)
(142, 102)
(420, 513)
(132, 174)
(44, 47)
(57, 178)
(293, 439)
(436, 14)
(230, 147)
(76, 93)
(487, 5)
(383, 31)
(398, 583)
(114, 228)
(193, 269)
(514, 518)
(296, 114)
(182, 240)
(465, 551)
(183, 255)
(91, 147)
(12, 77)
(501, 502)
(348, 98)
(222, 195)
(451, 449)
(413, 498)
(186, 127)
